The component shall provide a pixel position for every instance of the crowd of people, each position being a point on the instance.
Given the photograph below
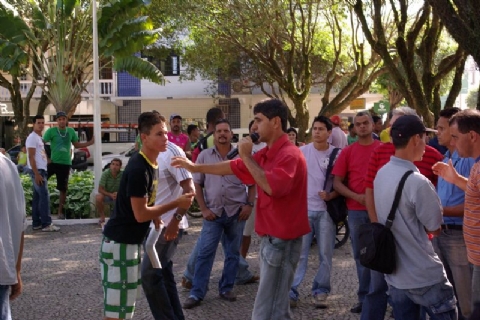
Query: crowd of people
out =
(280, 188)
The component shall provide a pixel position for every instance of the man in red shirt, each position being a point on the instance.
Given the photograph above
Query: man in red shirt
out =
(375, 302)
(349, 172)
(280, 173)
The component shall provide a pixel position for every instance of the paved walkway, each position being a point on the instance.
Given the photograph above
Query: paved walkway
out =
(62, 280)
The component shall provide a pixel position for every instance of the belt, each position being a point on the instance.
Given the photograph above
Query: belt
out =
(452, 227)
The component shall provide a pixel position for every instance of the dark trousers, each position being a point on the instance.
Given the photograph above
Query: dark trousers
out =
(159, 284)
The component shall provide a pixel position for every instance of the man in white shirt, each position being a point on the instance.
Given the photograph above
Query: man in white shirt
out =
(37, 165)
(159, 284)
(317, 154)
(12, 217)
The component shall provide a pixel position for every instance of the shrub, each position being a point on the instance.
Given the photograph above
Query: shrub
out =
(77, 204)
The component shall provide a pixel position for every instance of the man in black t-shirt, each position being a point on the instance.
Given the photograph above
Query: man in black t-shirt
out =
(133, 212)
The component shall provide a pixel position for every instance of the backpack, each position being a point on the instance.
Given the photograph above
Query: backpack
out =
(337, 207)
(202, 144)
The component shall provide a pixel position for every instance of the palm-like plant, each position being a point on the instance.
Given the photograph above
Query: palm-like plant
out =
(56, 39)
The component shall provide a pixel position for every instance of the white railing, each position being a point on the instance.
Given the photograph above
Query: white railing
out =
(107, 89)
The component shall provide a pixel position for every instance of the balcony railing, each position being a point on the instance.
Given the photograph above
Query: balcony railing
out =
(107, 90)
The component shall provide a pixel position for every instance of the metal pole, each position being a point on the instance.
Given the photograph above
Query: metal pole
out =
(97, 115)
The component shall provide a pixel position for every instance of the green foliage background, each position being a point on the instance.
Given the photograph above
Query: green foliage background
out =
(77, 205)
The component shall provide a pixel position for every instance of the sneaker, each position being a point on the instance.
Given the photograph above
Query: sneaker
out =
(37, 227)
(357, 308)
(186, 283)
(51, 228)
(293, 303)
(191, 303)
(320, 300)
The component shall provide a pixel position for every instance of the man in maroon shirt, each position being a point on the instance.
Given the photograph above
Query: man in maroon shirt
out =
(375, 302)
(280, 173)
(349, 172)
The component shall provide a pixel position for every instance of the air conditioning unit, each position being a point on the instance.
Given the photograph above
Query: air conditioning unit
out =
(241, 87)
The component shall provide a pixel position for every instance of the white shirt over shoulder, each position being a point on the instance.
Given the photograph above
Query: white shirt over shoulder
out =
(12, 220)
(169, 178)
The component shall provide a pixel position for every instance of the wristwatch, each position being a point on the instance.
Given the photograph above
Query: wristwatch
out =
(251, 204)
(178, 216)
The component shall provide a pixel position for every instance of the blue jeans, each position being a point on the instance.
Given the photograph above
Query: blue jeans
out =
(243, 274)
(375, 302)
(159, 284)
(40, 202)
(212, 231)
(355, 219)
(451, 249)
(5, 313)
(278, 261)
(324, 230)
(437, 300)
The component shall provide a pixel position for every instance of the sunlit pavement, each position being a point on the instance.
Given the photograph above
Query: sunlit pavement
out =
(62, 280)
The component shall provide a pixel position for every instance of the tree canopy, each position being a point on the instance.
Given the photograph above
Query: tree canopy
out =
(284, 48)
(51, 41)
(424, 62)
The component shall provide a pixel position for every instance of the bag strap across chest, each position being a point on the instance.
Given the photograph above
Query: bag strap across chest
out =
(396, 201)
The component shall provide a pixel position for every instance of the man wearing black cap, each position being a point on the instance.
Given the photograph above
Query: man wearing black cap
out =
(61, 139)
(176, 135)
(419, 279)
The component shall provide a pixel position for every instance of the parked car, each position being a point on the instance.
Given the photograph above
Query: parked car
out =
(124, 156)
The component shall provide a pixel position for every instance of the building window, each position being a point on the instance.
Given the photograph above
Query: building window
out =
(169, 66)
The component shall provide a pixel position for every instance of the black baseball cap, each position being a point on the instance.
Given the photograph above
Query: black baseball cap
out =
(61, 114)
(407, 126)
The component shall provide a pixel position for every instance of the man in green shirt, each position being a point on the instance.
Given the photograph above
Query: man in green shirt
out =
(61, 139)
(108, 187)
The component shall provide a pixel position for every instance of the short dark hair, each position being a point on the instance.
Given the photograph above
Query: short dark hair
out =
(467, 120)
(38, 116)
(118, 160)
(147, 120)
(362, 114)
(213, 115)
(449, 112)
(220, 121)
(250, 125)
(375, 119)
(292, 129)
(190, 128)
(351, 126)
(400, 142)
(272, 108)
(325, 121)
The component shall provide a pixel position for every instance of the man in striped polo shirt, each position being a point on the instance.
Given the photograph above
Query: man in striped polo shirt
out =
(465, 131)
(449, 244)
(375, 303)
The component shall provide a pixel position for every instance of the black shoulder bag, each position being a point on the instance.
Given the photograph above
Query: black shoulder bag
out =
(337, 207)
(376, 241)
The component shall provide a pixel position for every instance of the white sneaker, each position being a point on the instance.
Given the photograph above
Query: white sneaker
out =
(51, 228)
(320, 300)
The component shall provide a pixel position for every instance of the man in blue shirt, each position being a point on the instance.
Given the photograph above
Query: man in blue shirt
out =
(450, 245)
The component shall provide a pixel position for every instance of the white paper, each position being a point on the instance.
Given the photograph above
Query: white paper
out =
(150, 246)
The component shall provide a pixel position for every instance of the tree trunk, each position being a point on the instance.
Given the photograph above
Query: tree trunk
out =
(302, 118)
